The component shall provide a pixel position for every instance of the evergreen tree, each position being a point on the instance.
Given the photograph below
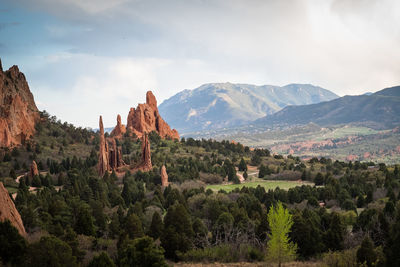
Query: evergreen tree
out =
(102, 260)
(392, 247)
(242, 165)
(49, 252)
(178, 232)
(366, 253)
(133, 226)
(335, 234)
(319, 179)
(12, 245)
(141, 252)
(280, 248)
(156, 227)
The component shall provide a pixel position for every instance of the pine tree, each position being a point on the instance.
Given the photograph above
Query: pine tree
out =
(366, 253)
(242, 165)
(156, 227)
(280, 248)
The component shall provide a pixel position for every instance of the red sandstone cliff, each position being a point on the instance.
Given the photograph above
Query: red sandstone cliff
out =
(9, 212)
(146, 118)
(18, 111)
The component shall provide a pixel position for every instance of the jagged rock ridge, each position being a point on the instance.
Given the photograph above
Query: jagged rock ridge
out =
(18, 111)
(8, 211)
(144, 119)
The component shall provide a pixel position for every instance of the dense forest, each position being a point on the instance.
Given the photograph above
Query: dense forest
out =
(347, 215)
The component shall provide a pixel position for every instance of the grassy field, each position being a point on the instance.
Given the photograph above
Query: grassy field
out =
(267, 184)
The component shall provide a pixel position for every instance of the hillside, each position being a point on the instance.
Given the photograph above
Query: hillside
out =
(218, 105)
(381, 108)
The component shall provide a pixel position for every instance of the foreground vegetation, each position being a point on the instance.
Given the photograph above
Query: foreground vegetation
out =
(75, 218)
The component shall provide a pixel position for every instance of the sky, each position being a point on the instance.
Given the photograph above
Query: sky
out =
(85, 58)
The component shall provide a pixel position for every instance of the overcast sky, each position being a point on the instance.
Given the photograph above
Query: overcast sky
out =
(83, 58)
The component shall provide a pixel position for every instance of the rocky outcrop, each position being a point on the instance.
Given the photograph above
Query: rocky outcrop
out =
(164, 176)
(103, 165)
(33, 170)
(145, 164)
(119, 129)
(18, 111)
(9, 212)
(146, 118)
(110, 157)
(115, 156)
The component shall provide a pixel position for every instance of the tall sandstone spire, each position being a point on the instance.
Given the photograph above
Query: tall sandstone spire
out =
(104, 165)
(145, 164)
(18, 111)
(119, 129)
(164, 177)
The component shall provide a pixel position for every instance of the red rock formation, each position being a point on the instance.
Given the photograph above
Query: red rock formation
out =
(9, 212)
(115, 156)
(103, 165)
(145, 164)
(164, 176)
(18, 111)
(146, 118)
(33, 170)
(119, 129)
(110, 157)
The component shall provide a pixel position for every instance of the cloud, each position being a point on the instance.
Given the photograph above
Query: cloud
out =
(8, 24)
(111, 52)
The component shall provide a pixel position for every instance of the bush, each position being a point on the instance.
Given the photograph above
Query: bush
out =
(346, 258)
(12, 245)
(223, 253)
(142, 252)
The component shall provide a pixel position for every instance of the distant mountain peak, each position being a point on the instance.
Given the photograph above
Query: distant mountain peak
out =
(218, 105)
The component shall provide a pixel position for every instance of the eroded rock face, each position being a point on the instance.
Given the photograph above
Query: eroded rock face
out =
(119, 129)
(115, 156)
(164, 176)
(146, 118)
(18, 111)
(110, 156)
(145, 164)
(9, 212)
(33, 170)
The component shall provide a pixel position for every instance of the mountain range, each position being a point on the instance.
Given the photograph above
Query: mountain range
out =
(381, 109)
(220, 105)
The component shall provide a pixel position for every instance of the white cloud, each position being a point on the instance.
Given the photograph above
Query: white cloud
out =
(127, 47)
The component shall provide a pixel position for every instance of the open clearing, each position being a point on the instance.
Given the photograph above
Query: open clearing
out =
(267, 184)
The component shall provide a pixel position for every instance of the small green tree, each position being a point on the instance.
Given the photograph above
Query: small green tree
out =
(280, 248)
